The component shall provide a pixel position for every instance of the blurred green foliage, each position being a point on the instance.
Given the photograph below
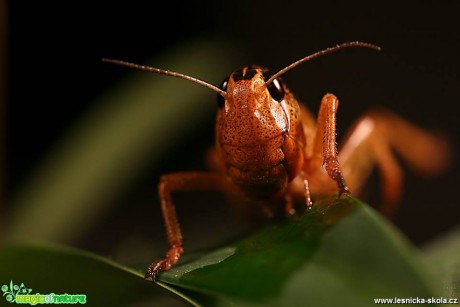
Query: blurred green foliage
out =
(130, 127)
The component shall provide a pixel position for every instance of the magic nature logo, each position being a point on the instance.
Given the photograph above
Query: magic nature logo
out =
(20, 294)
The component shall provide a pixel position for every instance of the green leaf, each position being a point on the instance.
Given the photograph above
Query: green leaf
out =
(444, 256)
(55, 269)
(341, 253)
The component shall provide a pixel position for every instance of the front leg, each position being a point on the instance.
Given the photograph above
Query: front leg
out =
(180, 182)
(325, 143)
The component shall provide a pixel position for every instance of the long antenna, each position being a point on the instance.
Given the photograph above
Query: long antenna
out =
(165, 72)
(320, 53)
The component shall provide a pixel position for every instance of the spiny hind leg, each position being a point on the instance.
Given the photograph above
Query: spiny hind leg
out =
(372, 140)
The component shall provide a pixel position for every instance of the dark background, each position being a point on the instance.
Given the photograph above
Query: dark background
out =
(54, 51)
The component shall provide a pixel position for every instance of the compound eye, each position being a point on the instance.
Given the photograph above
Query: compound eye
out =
(220, 98)
(275, 88)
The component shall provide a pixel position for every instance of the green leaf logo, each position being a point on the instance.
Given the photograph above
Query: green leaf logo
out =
(12, 290)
